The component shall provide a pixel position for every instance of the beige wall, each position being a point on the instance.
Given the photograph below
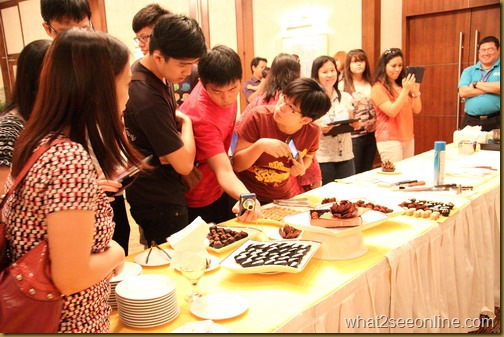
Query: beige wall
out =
(391, 24)
(120, 14)
(222, 17)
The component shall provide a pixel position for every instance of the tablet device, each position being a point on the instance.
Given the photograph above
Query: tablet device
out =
(344, 121)
(418, 71)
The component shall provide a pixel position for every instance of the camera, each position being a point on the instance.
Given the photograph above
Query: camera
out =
(247, 202)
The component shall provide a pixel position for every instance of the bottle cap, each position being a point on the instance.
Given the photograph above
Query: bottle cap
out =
(439, 146)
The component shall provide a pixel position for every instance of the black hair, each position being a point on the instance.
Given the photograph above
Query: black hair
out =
(381, 73)
(220, 66)
(177, 36)
(148, 16)
(28, 70)
(71, 101)
(255, 62)
(357, 55)
(489, 39)
(318, 63)
(284, 69)
(58, 10)
(309, 95)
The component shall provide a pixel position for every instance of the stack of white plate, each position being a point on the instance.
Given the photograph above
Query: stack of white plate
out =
(146, 301)
(130, 270)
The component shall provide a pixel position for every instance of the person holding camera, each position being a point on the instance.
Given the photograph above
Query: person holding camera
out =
(396, 97)
(212, 107)
(263, 159)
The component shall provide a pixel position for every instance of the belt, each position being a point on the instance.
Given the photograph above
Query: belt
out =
(485, 117)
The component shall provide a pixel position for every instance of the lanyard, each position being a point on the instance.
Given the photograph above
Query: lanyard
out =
(484, 77)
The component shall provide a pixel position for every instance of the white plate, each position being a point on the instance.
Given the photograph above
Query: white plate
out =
(219, 306)
(156, 258)
(145, 287)
(389, 173)
(130, 269)
(230, 263)
(370, 218)
(274, 234)
(214, 264)
(252, 233)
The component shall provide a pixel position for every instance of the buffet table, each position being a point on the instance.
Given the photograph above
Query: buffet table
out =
(415, 269)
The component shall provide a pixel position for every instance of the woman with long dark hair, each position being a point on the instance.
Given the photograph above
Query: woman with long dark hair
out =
(18, 110)
(396, 97)
(82, 92)
(358, 83)
(335, 154)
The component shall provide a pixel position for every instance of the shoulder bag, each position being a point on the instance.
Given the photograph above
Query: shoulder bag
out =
(29, 301)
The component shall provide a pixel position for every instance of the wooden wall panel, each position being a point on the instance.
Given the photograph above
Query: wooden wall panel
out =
(245, 39)
(371, 37)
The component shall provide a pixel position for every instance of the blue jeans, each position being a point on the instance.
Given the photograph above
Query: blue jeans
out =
(364, 150)
(336, 170)
(159, 221)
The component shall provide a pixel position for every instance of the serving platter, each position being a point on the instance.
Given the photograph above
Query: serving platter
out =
(252, 233)
(311, 248)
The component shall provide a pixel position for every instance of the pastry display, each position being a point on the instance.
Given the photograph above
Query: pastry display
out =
(278, 213)
(344, 210)
(374, 207)
(388, 166)
(220, 237)
(273, 253)
(426, 208)
(328, 200)
(342, 214)
(289, 232)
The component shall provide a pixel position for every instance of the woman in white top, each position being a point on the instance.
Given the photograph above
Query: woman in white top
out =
(335, 154)
(358, 83)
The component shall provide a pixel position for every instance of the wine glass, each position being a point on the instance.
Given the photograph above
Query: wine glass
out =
(192, 266)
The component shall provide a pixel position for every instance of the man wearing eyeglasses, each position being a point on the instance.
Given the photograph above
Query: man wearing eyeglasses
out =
(480, 86)
(143, 24)
(279, 141)
(60, 15)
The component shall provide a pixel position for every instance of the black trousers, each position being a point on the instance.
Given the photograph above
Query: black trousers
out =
(486, 124)
(122, 226)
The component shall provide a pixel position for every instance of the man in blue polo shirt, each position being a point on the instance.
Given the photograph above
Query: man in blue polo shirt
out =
(480, 86)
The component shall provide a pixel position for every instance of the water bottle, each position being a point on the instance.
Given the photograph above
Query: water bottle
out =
(439, 162)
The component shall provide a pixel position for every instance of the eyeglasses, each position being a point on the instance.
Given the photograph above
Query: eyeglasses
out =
(392, 51)
(290, 106)
(88, 28)
(142, 38)
(487, 50)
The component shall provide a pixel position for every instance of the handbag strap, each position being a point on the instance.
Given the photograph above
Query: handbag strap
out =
(36, 155)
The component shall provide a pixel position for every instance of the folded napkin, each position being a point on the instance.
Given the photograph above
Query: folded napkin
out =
(206, 326)
(191, 238)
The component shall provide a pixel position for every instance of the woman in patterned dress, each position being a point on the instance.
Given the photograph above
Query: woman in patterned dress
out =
(83, 90)
(17, 112)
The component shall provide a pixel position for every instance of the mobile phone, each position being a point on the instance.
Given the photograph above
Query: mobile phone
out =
(293, 149)
(417, 71)
(127, 177)
(247, 203)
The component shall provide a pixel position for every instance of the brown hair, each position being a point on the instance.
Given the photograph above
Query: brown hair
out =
(77, 97)
(357, 55)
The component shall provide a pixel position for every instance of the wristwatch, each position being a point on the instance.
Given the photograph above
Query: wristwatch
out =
(474, 84)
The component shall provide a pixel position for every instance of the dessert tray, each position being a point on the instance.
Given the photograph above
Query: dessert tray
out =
(251, 234)
(271, 256)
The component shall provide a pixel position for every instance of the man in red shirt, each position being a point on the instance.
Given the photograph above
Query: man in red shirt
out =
(263, 157)
(212, 107)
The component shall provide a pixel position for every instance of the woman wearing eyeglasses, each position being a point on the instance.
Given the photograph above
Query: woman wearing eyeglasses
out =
(335, 154)
(396, 97)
